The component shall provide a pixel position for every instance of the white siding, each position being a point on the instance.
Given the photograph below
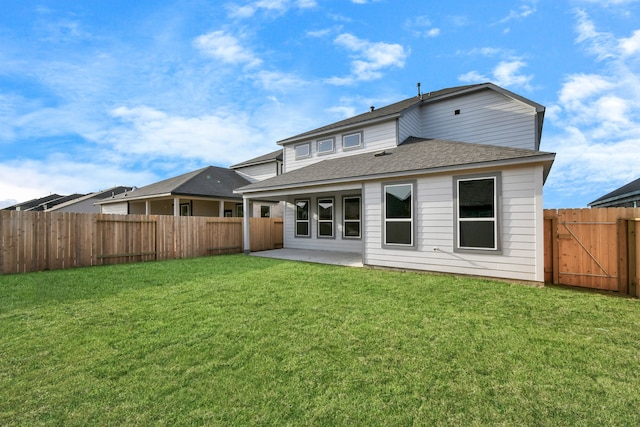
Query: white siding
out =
(486, 117)
(338, 243)
(409, 124)
(259, 172)
(115, 208)
(377, 137)
(521, 225)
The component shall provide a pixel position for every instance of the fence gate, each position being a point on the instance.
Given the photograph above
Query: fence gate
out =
(587, 248)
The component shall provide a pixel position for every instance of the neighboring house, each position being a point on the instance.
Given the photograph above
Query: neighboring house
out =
(259, 169)
(627, 196)
(204, 192)
(87, 203)
(43, 203)
(448, 181)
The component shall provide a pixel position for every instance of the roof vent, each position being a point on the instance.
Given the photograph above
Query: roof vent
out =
(372, 108)
(381, 153)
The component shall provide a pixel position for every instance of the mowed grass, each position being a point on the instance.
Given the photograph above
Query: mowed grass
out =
(237, 340)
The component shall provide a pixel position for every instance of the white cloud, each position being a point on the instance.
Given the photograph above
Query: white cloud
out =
(523, 11)
(421, 26)
(219, 138)
(226, 48)
(369, 59)
(64, 175)
(597, 119)
(506, 73)
(278, 7)
(278, 81)
(631, 45)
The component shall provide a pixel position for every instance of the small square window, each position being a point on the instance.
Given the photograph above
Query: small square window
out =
(265, 211)
(353, 140)
(325, 146)
(303, 150)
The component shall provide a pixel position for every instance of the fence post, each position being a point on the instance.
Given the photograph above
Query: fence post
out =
(633, 257)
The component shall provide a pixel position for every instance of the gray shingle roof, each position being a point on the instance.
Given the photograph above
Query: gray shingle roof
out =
(210, 181)
(265, 158)
(628, 190)
(415, 155)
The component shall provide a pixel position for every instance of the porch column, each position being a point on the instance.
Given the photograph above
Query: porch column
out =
(147, 207)
(246, 215)
(176, 206)
(221, 208)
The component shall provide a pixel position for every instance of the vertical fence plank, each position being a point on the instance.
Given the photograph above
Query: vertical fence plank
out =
(35, 241)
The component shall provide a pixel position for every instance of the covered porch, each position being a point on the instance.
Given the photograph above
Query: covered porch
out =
(347, 259)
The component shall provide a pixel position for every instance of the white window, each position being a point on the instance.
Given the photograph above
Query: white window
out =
(398, 214)
(476, 212)
(302, 218)
(325, 146)
(352, 140)
(351, 222)
(325, 217)
(303, 150)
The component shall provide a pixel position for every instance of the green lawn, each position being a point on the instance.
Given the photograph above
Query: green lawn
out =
(237, 340)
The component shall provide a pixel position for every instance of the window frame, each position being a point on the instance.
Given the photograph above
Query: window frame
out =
(306, 156)
(353, 147)
(495, 219)
(326, 221)
(412, 219)
(333, 146)
(296, 220)
(345, 220)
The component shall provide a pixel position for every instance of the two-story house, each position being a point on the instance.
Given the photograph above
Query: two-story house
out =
(447, 181)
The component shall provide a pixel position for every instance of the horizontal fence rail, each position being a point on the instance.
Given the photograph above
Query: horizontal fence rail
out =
(36, 241)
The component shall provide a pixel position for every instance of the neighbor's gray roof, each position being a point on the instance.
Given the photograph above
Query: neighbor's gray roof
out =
(265, 158)
(396, 109)
(626, 191)
(414, 156)
(210, 181)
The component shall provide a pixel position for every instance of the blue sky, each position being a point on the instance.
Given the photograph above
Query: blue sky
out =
(95, 94)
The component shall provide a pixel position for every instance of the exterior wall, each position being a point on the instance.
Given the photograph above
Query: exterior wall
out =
(138, 208)
(337, 243)
(203, 207)
(521, 219)
(486, 117)
(115, 208)
(375, 138)
(259, 172)
(409, 124)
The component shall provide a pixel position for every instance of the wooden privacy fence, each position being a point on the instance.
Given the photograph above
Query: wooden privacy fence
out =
(593, 248)
(35, 241)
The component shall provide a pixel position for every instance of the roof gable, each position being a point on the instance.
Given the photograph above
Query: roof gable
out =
(265, 158)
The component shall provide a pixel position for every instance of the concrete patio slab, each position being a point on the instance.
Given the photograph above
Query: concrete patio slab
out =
(349, 259)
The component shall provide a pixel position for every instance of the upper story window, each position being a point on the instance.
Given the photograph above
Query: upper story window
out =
(303, 150)
(477, 213)
(325, 146)
(352, 140)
